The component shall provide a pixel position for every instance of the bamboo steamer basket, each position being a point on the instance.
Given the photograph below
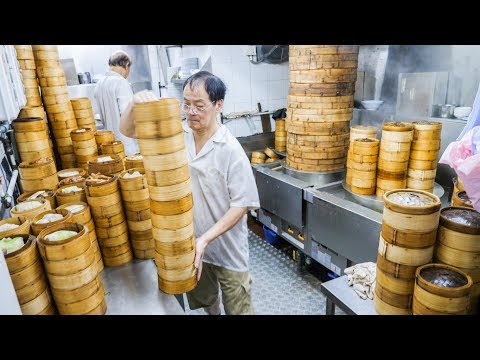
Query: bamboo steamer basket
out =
(424, 155)
(422, 164)
(166, 161)
(171, 192)
(403, 255)
(417, 184)
(408, 239)
(441, 289)
(102, 202)
(428, 145)
(133, 184)
(84, 113)
(27, 124)
(118, 260)
(64, 198)
(37, 145)
(60, 108)
(27, 64)
(420, 126)
(138, 215)
(172, 222)
(461, 199)
(29, 74)
(54, 81)
(84, 134)
(177, 287)
(323, 89)
(167, 262)
(400, 216)
(45, 48)
(113, 231)
(44, 72)
(161, 146)
(113, 246)
(403, 301)
(458, 185)
(298, 50)
(42, 304)
(30, 112)
(396, 285)
(36, 170)
(110, 167)
(34, 136)
(113, 147)
(144, 254)
(62, 121)
(104, 136)
(82, 216)
(73, 180)
(54, 90)
(421, 174)
(167, 177)
(28, 277)
(60, 250)
(76, 295)
(63, 174)
(85, 306)
(172, 235)
(45, 54)
(158, 119)
(24, 53)
(384, 308)
(398, 156)
(108, 187)
(175, 248)
(48, 63)
(177, 274)
(139, 226)
(131, 162)
(23, 226)
(81, 103)
(395, 270)
(30, 214)
(37, 228)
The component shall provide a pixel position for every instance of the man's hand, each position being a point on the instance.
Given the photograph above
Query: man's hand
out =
(127, 121)
(199, 251)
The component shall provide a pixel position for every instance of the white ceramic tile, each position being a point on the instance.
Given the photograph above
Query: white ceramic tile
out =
(240, 87)
(277, 104)
(241, 106)
(232, 126)
(243, 128)
(259, 91)
(278, 89)
(259, 72)
(276, 72)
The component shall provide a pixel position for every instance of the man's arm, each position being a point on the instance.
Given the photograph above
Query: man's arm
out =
(228, 221)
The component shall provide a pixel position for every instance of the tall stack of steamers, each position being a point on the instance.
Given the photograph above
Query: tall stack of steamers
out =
(320, 105)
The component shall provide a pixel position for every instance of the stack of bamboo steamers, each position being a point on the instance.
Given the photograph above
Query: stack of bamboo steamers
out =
(320, 105)
(161, 141)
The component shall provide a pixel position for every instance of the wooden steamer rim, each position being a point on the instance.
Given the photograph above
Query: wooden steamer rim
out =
(455, 226)
(37, 228)
(413, 210)
(23, 228)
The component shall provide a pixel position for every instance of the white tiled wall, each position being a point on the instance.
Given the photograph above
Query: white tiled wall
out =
(249, 84)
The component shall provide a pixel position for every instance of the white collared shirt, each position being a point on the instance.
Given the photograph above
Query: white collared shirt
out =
(113, 93)
(221, 177)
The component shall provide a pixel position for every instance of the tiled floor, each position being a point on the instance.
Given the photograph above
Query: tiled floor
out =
(278, 288)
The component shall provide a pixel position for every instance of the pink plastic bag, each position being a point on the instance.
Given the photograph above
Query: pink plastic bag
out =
(459, 155)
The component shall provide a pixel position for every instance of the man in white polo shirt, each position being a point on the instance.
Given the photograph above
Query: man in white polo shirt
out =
(224, 190)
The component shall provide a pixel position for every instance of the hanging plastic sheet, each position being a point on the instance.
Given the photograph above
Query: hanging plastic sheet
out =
(464, 157)
(474, 117)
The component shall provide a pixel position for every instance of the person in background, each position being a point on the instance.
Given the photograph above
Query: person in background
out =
(113, 93)
(224, 190)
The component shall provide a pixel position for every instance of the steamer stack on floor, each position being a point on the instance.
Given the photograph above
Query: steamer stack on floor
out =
(56, 100)
(136, 200)
(84, 146)
(320, 105)
(26, 271)
(82, 108)
(409, 230)
(27, 66)
(359, 162)
(161, 140)
(458, 245)
(134, 161)
(103, 196)
(280, 135)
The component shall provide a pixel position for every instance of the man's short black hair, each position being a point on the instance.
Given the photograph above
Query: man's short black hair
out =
(214, 86)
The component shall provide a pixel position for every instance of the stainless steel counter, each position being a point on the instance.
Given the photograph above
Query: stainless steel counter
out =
(132, 289)
(340, 294)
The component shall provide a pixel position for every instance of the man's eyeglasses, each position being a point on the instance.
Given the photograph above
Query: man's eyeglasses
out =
(196, 109)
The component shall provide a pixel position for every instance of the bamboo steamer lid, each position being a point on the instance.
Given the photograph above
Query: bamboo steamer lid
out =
(23, 228)
(83, 134)
(442, 289)
(397, 126)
